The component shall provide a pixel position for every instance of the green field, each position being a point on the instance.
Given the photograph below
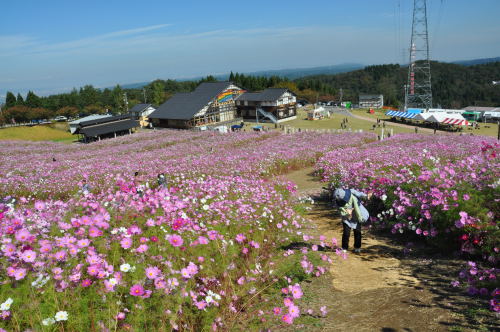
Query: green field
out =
(54, 132)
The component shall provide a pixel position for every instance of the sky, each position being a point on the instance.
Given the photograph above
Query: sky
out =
(52, 46)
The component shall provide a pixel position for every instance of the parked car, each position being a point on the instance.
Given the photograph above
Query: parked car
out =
(60, 118)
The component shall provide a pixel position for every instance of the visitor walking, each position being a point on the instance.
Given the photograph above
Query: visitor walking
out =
(353, 214)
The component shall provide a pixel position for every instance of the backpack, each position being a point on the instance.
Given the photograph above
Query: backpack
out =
(365, 215)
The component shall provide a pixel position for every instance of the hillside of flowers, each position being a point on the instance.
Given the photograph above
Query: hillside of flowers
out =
(444, 190)
(90, 240)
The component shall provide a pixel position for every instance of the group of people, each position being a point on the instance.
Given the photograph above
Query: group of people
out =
(343, 124)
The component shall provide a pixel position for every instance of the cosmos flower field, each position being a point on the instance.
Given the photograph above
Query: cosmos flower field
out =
(202, 251)
(443, 190)
(207, 250)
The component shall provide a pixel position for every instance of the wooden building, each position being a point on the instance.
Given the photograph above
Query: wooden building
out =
(211, 103)
(275, 104)
(97, 129)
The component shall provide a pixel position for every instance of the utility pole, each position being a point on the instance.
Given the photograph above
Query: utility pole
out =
(144, 94)
(341, 95)
(419, 70)
(125, 100)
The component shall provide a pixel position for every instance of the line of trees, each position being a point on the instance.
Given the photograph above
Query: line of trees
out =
(454, 86)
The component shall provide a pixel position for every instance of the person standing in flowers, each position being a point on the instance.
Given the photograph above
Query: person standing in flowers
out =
(353, 214)
(139, 187)
(162, 181)
(85, 187)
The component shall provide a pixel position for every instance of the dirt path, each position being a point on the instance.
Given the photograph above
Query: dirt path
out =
(379, 289)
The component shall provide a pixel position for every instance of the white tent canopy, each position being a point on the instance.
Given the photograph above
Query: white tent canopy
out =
(437, 117)
(422, 116)
(453, 119)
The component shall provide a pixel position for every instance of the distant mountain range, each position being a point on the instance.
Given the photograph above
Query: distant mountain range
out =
(291, 73)
(476, 61)
(294, 73)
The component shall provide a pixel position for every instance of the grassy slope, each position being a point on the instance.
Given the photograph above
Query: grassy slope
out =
(36, 133)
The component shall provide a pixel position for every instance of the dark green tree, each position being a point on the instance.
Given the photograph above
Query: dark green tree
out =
(10, 99)
(32, 100)
(19, 99)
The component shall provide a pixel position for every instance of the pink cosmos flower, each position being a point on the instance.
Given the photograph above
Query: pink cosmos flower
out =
(277, 311)
(288, 301)
(202, 240)
(160, 283)
(86, 283)
(39, 205)
(60, 255)
(94, 232)
(287, 319)
(296, 291)
(152, 272)
(120, 316)
(136, 290)
(83, 243)
(201, 305)
(9, 249)
(93, 270)
(240, 238)
(176, 240)
(294, 311)
(142, 248)
(23, 235)
(28, 256)
(126, 242)
(254, 244)
(20, 274)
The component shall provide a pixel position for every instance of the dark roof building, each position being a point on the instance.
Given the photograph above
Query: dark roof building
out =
(275, 104)
(106, 127)
(141, 110)
(210, 103)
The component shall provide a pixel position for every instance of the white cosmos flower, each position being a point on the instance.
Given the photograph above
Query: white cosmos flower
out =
(113, 281)
(6, 305)
(61, 315)
(48, 321)
(205, 207)
(125, 267)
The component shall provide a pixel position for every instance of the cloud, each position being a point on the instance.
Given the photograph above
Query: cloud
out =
(25, 45)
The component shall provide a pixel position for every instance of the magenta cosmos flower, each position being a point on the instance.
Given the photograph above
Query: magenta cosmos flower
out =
(136, 290)
(176, 240)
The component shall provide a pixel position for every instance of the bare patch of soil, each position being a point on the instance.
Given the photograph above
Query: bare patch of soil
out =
(385, 288)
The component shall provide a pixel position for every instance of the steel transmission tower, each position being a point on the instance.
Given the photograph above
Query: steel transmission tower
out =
(418, 90)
